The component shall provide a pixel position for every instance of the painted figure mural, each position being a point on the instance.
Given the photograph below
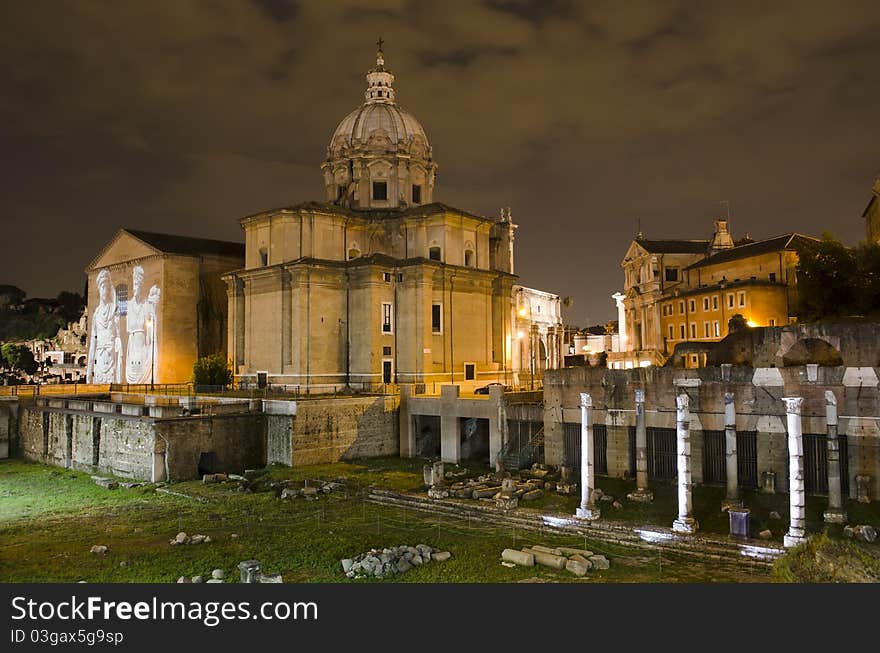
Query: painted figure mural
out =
(105, 345)
(141, 327)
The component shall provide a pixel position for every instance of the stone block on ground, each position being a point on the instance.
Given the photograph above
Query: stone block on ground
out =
(600, 562)
(518, 557)
(441, 556)
(576, 567)
(569, 551)
(107, 483)
(547, 559)
(547, 549)
(99, 549)
(766, 534)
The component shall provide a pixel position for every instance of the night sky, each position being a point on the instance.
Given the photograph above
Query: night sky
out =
(584, 117)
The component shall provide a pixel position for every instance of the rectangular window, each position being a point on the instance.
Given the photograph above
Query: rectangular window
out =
(681, 331)
(672, 274)
(693, 330)
(386, 277)
(717, 328)
(434, 253)
(681, 307)
(692, 305)
(671, 332)
(470, 371)
(715, 302)
(706, 332)
(386, 351)
(741, 296)
(705, 303)
(772, 322)
(730, 300)
(773, 277)
(380, 190)
(399, 276)
(695, 362)
(436, 318)
(386, 317)
(416, 194)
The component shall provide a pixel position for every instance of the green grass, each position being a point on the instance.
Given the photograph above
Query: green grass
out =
(50, 518)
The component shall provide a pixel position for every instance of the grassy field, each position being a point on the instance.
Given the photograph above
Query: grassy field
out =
(50, 518)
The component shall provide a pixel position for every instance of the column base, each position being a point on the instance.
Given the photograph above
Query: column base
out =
(506, 502)
(688, 525)
(590, 514)
(833, 516)
(438, 493)
(727, 504)
(641, 496)
(792, 540)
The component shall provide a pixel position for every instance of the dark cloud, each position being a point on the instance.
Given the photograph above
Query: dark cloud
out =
(586, 118)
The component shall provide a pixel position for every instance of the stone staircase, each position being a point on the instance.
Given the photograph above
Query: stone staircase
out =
(528, 452)
(705, 546)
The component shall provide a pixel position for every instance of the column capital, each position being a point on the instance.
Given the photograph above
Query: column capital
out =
(586, 400)
(682, 402)
(793, 405)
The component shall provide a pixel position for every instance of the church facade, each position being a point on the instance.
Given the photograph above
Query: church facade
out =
(379, 283)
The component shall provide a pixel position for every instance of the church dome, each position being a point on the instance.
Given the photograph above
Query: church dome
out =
(376, 126)
(379, 155)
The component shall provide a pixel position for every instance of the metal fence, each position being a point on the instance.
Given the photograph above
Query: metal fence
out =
(572, 447)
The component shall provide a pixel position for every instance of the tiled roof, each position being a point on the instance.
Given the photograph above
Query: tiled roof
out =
(791, 241)
(172, 244)
(674, 246)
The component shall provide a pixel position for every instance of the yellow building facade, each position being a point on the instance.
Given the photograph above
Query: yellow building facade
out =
(379, 284)
(156, 303)
(681, 292)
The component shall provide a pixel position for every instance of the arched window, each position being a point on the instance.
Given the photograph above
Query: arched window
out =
(264, 256)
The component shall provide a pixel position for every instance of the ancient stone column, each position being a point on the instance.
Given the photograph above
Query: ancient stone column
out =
(835, 513)
(796, 533)
(588, 508)
(732, 499)
(642, 493)
(621, 320)
(685, 522)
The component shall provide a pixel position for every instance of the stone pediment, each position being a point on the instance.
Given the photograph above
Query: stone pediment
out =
(121, 248)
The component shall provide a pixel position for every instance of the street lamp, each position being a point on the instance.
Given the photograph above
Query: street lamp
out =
(149, 323)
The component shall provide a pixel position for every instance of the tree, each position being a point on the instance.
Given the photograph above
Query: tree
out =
(837, 281)
(19, 357)
(71, 305)
(826, 275)
(737, 323)
(212, 370)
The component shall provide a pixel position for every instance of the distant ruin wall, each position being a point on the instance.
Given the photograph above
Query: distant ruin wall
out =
(759, 408)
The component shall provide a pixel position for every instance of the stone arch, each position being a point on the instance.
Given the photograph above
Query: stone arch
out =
(470, 260)
(815, 351)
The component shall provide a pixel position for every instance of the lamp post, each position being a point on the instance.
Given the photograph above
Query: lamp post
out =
(149, 323)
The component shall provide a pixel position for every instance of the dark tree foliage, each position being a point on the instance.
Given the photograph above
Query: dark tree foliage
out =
(18, 357)
(212, 370)
(835, 281)
(71, 305)
(737, 323)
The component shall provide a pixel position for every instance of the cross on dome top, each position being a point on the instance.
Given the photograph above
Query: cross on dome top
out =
(379, 80)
